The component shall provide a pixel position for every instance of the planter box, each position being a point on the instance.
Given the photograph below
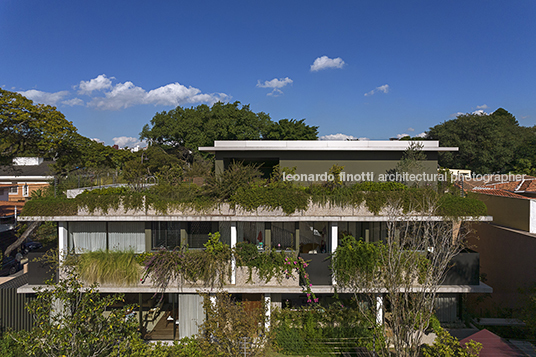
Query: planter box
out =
(242, 277)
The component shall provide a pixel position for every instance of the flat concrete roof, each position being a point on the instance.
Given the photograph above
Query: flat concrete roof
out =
(321, 145)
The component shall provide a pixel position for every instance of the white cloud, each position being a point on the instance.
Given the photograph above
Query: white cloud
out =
(44, 97)
(276, 84)
(480, 112)
(73, 102)
(100, 83)
(325, 62)
(482, 106)
(124, 95)
(384, 89)
(454, 115)
(421, 135)
(97, 140)
(411, 129)
(129, 141)
(338, 137)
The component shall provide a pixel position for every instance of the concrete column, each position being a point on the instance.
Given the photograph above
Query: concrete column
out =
(379, 309)
(233, 259)
(63, 241)
(268, 313)
(334, 232)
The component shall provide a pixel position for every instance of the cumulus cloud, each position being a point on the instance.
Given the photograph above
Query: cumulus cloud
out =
(100, 83)
(275, 84)
(124, 95)
(383, 89)
(338, 137)
(482, 106)
(421, 135)
(325, 62)
(129, 141)
(411, 129)
(44, 97)
(106, 96)
(73, 102)
(480, 112)
(97, 140)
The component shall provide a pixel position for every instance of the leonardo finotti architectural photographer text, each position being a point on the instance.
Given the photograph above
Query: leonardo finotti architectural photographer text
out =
(399, 177)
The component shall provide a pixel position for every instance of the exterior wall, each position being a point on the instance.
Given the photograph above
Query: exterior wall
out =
(508, 211)
(13, 313)
(319, 162)
(507, 263)
(20, 196)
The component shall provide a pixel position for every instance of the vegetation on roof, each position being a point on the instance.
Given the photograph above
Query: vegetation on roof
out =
(241, 187)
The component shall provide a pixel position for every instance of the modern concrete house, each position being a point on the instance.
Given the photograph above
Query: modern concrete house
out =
(314, 232)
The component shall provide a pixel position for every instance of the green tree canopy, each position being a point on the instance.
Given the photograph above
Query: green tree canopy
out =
(487, 143)
(81, 152)
(200, 126)
(291, 129)
(29, 128)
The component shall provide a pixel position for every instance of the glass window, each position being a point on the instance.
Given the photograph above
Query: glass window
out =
(166, 235)
(25, 190)
(283, 234)
(13, 190)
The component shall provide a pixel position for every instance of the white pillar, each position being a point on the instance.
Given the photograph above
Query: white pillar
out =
(268, 314)
(334, 242)
(233, 259)
(379, 309)
(63, 236)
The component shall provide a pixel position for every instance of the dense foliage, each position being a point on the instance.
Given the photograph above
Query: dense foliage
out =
(488, 143)
(192, 128)
(251, 196)
(70, 321)
(29, 128)
(331, 328)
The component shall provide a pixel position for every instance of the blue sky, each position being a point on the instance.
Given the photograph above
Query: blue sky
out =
(367, 69)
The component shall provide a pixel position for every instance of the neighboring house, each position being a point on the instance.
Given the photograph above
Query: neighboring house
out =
(306, 231)
(507, 246)
(26, 175)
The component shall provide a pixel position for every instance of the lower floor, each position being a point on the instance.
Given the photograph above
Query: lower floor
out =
(173, 316)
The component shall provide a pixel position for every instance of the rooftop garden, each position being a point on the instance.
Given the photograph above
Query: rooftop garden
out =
(241, 186)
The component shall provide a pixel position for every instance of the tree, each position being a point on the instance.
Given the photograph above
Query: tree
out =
(31, 129)
(406, 269)
(229, 325)
(291, 129)
(487, 143)
(200, 126)
(71, 320)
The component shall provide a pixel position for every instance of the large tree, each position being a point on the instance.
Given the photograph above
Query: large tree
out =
(487, 143)
(28, 128)
(200, 126)
(291, 129)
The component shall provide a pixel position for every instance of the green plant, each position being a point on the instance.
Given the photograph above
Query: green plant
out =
(230, 324)
(109, 267)
(448, 346)
(73, 321)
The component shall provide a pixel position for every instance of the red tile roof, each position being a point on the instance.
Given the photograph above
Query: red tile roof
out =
(492, 345)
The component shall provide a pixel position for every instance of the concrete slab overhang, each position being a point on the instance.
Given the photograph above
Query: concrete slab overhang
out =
(317, 289)
(317, 145)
